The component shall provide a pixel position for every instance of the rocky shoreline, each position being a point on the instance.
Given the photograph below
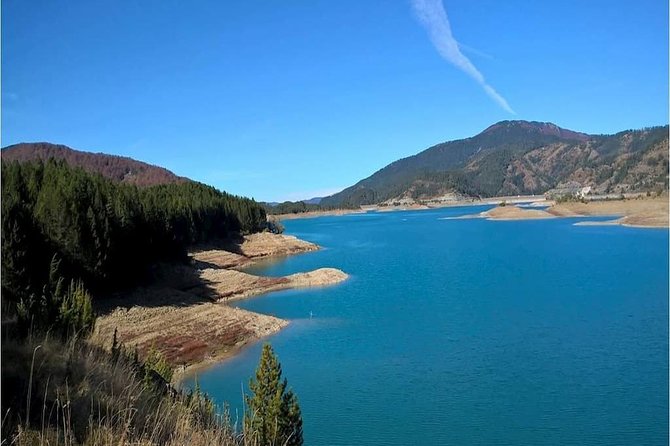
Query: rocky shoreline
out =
(184, 313)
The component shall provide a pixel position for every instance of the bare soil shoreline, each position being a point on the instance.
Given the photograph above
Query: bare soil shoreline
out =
(641, 212)
(185, 315)
(412, 207)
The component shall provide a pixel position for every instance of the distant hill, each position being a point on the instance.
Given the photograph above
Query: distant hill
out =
(117, 168)
(518, 157)
(315, 200)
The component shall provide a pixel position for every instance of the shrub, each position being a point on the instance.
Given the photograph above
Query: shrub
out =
(156, 362)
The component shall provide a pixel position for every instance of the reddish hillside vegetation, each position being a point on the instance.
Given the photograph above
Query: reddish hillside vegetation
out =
(117, 168)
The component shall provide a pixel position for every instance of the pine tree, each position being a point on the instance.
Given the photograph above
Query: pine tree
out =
(273, 415)
(76, 311)
(291, 420)
(156, 363)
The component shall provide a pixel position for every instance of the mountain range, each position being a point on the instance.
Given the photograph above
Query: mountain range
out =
(516, 158)
(507, 158)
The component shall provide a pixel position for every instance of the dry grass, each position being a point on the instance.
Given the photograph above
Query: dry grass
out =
(75, 394)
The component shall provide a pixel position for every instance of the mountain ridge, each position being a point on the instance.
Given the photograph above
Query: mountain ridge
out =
(517, 157)
(118, 168)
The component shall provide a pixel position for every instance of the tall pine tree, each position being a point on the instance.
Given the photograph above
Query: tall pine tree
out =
(273, 415)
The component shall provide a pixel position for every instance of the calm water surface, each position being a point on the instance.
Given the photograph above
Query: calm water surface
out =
(470, 332)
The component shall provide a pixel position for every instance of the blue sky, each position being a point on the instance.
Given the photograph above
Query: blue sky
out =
(292, 99)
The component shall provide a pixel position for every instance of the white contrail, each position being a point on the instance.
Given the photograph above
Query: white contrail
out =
(475, 51)
(432, 15)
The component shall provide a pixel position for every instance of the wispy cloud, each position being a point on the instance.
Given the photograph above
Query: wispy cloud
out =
(434, 18)
(475, 51)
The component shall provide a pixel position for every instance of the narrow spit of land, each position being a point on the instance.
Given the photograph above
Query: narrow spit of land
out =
(184, 315)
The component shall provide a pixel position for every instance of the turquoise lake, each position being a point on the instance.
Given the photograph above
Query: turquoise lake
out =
(470, 332)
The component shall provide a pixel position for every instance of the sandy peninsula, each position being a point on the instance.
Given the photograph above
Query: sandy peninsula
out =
(640, 212)
(184, 313)
(245, 250)
(507, 212)
(510, 212)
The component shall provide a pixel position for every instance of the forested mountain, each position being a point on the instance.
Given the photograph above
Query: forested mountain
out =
(117, 168)
(103, 232)
(519, 157)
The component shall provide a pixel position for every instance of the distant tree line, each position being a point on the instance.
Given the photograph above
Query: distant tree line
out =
(104, 233)
(298, 207)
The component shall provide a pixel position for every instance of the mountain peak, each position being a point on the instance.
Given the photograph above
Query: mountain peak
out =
(514, 158)
(543, 128)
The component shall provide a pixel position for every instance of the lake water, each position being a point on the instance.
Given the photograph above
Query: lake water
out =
(470, 332)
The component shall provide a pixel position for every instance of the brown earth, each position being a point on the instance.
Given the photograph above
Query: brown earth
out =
(508, 212)
(184, 315)
(643, 212)
(236, 253)
(228, 284)
(184, 327)
(515, 213)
